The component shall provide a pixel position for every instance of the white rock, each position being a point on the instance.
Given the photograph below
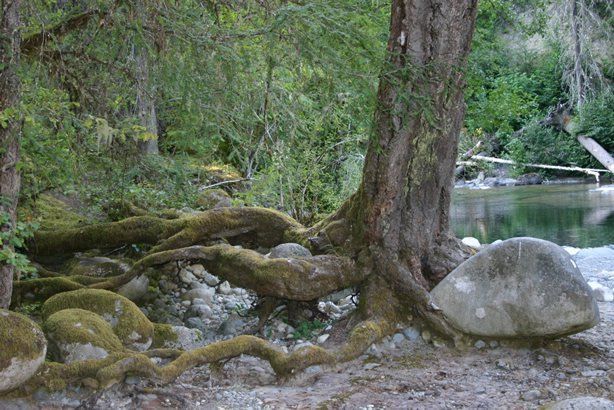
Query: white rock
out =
(601, 293)
(472, 242)
(225, 288)
(323, 338)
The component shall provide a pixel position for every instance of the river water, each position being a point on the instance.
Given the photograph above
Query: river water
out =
(579, 215)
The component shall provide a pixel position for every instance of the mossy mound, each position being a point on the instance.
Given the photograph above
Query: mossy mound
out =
(22, 349)
(130, 324)
(55, 214)
(77, 334)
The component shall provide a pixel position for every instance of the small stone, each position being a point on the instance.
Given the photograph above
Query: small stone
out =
(593, 373)
(502, 364)
(531, 395)
(323, 338)
(198, 270)
(186, 276)
(203, 293)
(411, 333)
(472, 242)
(302, 345)
(601, 293)
(132, 380)
(135, 289)
(398, 339)
(202, 311)
(371, 366)
(480, 344)
(289, 250)
(225, 288)
(426, 336)
(187, 302)
(210, 279)
(493, 344)
(195, 323)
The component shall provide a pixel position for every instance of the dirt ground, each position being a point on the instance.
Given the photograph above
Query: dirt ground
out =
(401, 372)
(409, 375)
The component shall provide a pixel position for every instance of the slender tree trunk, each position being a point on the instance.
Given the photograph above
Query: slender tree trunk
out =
(402, 207)
(9, 134)
(578, 72)
(146, 103)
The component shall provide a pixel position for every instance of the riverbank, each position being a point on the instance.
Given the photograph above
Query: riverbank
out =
(406, 370)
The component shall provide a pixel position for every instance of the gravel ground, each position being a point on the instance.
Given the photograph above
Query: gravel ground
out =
(403, 371)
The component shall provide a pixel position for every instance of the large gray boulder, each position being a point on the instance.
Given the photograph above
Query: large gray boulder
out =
(518, 288)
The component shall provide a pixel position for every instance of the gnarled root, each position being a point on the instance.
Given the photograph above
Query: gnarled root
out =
(248, 226)
(115, 367)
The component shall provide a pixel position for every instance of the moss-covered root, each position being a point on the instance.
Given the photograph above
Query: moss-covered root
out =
(250, 226)
(113, 369)
(42, 289)
(295, 279)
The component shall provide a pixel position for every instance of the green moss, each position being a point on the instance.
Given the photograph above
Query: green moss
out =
(80, 326)
(131, 326)
(55, 214)
(163, 333)
(212, 198)
(20, 338)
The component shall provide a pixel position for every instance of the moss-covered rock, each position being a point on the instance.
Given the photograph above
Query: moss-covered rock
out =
(177, 337)
(130, 324)
(54, 214)
(22, 349)
(77, 334)
(213, 198)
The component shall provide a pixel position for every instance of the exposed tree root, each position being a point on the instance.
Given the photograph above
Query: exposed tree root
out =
(251, 227)
(296, 279)
(105, 372)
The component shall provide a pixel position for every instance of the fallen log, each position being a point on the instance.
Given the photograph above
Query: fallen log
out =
(597, 151)
(589, 171)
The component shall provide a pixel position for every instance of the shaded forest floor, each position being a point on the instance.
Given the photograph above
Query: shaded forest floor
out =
(400, 372)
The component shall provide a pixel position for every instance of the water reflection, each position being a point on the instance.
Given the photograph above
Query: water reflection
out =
(576, 215)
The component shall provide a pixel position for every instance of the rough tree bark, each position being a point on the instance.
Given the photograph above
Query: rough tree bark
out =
(400, 214)
(10, 129)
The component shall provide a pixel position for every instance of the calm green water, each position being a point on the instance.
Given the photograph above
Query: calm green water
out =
(575, 215)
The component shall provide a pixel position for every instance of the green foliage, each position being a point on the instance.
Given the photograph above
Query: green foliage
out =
(545, 145)
(306, 330)
(596, 120)
(13, 242)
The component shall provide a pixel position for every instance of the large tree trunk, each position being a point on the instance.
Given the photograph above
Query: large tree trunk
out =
(9, 135)
(402, 208)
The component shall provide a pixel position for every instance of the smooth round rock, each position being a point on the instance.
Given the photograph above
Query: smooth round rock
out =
(289, 250)
(518, 288)
(22, 349)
